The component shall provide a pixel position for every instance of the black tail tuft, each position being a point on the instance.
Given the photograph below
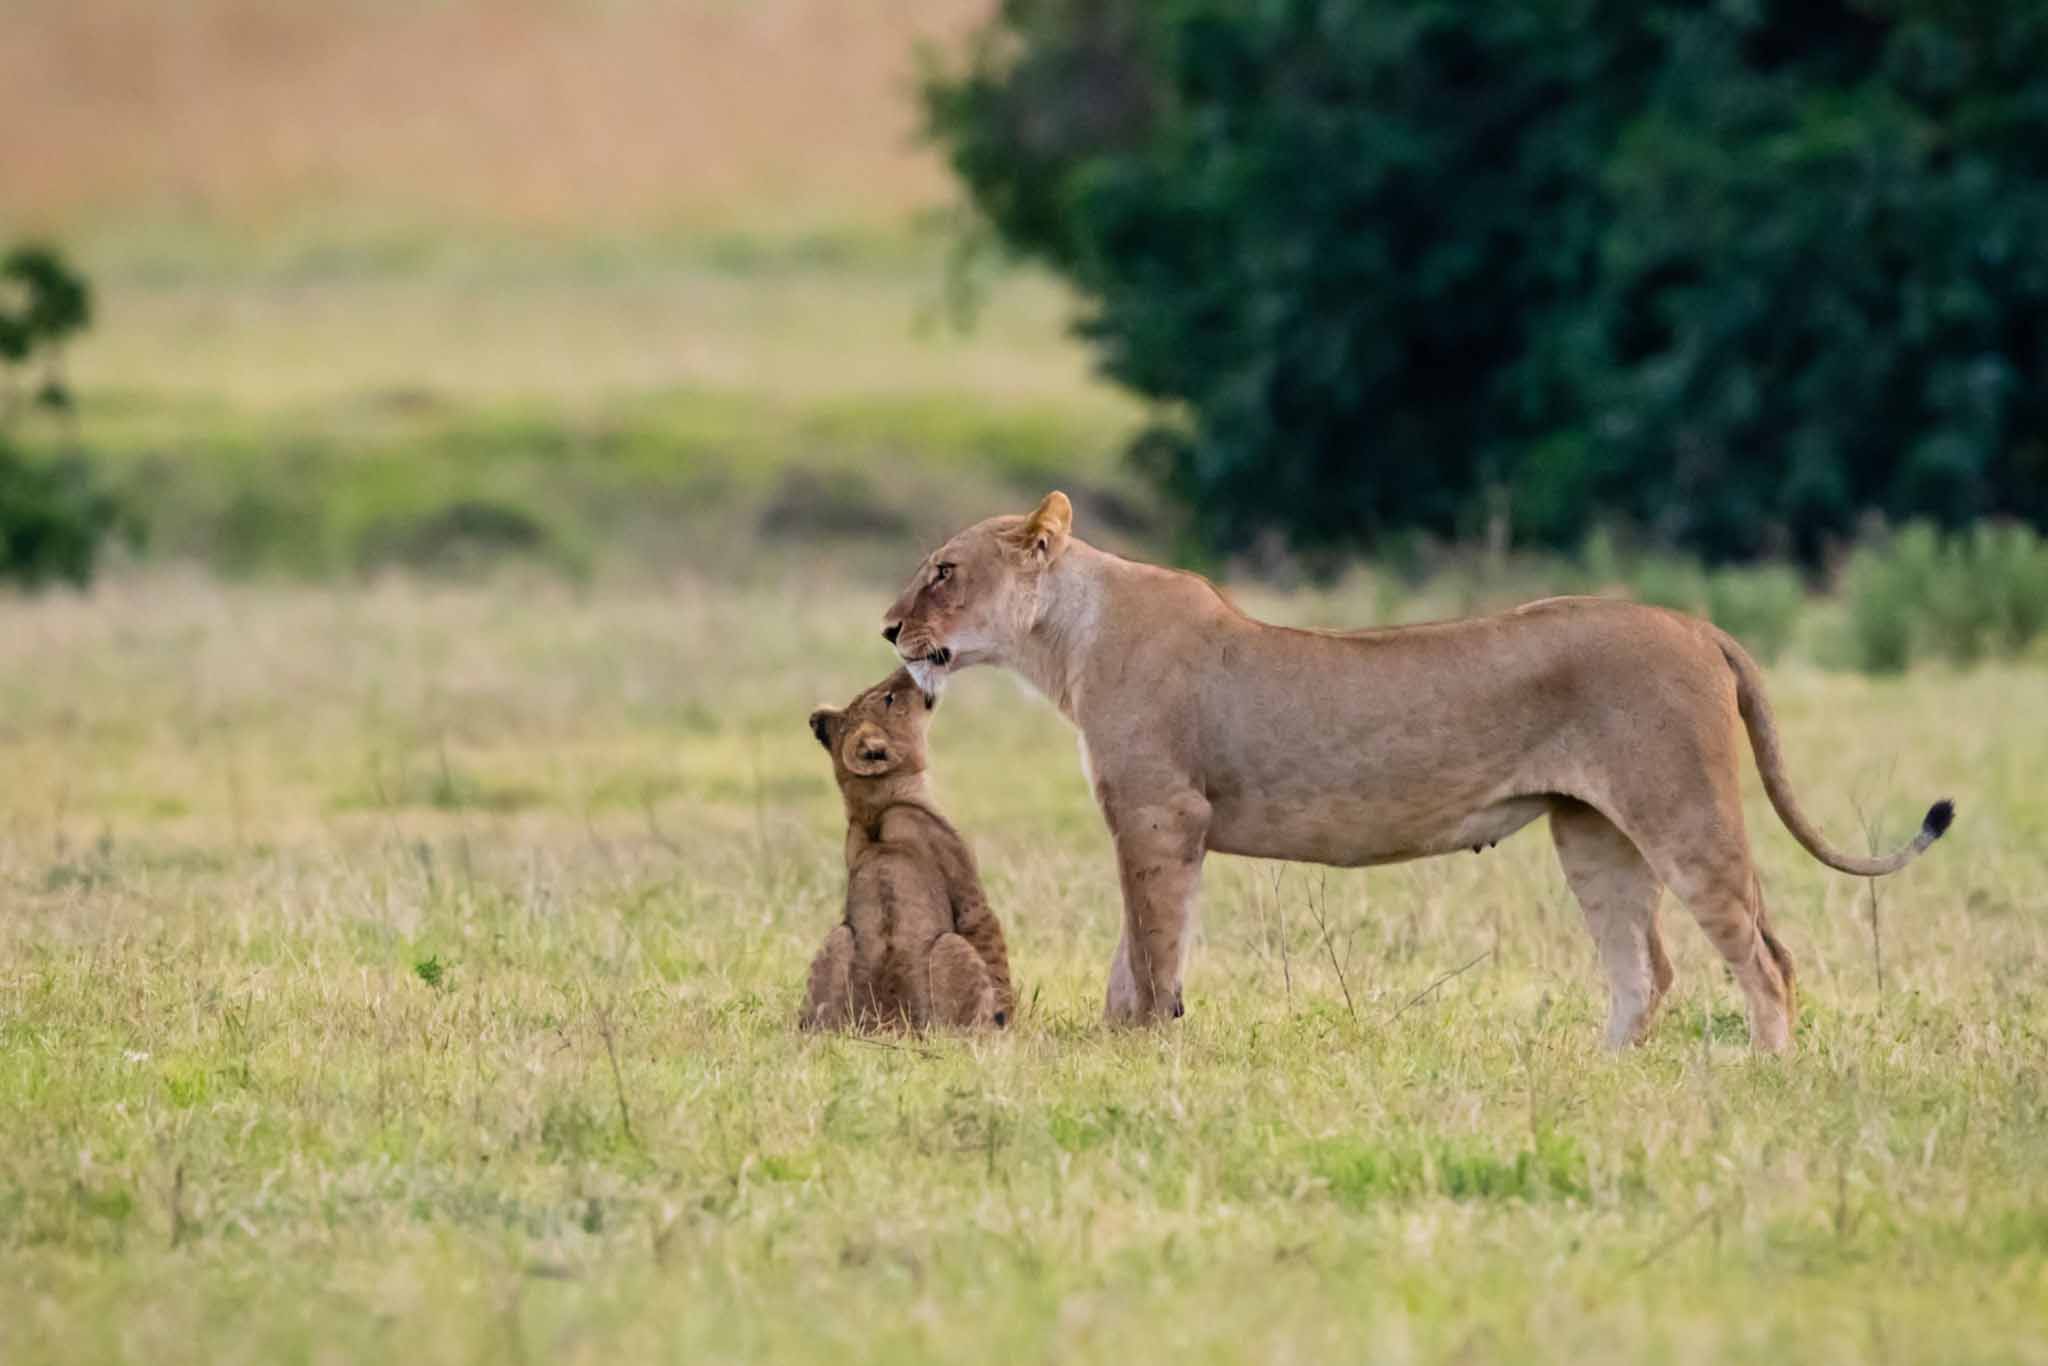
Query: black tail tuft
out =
(1940, 816)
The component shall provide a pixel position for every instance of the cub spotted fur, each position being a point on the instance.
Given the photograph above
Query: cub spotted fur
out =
(919, 946)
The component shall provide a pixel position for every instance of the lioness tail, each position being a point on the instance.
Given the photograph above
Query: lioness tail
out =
(1770, 763)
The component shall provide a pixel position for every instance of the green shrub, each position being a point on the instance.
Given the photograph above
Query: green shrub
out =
(2009, 567)
(1669, 581)
(1961, 598)
(53, 513)
(1881, 601)
(1759, 607)
(53, 518)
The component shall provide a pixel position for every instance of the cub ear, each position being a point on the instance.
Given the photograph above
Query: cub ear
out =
(1045, 531)
(866, 753)
(821, 725)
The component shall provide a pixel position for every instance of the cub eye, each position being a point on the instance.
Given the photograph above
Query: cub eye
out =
(940, 573)
(888, 699)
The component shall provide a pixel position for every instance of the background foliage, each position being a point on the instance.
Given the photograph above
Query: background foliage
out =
(1732, 272)
(53, 513)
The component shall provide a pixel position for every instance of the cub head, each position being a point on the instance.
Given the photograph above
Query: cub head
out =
(880, 732)
(976, 596)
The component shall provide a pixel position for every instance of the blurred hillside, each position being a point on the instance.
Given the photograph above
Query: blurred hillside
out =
(629, 285)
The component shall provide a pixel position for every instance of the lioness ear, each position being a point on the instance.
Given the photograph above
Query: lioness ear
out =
(1045, 531)
(821, 725)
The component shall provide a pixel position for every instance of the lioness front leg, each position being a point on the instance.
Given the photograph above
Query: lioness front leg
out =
(1159, 848)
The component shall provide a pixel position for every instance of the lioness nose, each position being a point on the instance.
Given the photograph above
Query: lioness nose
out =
(891, 631)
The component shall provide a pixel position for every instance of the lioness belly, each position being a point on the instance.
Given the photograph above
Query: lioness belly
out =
(1350, 832)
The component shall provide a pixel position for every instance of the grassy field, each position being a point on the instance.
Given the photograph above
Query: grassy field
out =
(409, 862)
(411, 971)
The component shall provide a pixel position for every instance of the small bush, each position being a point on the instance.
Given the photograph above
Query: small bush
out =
(2008, 565)
(1961, 598)
(1759, 607)
(54, 515)
(1669, 581)
(1883, 596)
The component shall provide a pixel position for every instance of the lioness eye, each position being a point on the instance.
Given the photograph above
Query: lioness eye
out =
(941, 573)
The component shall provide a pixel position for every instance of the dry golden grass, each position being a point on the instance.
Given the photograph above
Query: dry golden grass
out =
(763, 114)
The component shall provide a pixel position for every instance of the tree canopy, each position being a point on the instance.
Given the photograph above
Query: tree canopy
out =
(1732, 272)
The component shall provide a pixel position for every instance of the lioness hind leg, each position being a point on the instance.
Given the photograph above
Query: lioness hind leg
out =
(1618, 893)
(962, 994)
(1720, 888)
(828, 1002)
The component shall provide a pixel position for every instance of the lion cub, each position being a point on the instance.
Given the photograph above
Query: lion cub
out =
(919, 945)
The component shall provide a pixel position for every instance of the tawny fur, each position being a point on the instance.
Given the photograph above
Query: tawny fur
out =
(1203, 730)
(919, 946)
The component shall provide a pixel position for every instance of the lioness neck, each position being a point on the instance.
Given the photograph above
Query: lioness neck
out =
(1070, 599)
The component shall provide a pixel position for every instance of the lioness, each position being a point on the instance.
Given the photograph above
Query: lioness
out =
(1202, 729)
(919, 945)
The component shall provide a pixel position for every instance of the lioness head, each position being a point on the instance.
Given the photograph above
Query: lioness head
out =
(976, 596)
(878, 733)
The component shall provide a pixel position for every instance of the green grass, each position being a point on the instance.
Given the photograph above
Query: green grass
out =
(411, 971)
(686, 478)
(641, 405)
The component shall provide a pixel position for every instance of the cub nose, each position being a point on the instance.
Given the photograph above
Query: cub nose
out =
(891, 631)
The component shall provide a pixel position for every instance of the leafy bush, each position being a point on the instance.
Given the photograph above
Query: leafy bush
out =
(1733, 273)
(53, 517)
(1759, 607)
(2008, 569)
(53, 513)
(1670, 581)
(1962, 598)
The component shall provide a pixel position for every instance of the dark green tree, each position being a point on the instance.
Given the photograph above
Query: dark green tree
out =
(54, 516)
(1732, 272)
